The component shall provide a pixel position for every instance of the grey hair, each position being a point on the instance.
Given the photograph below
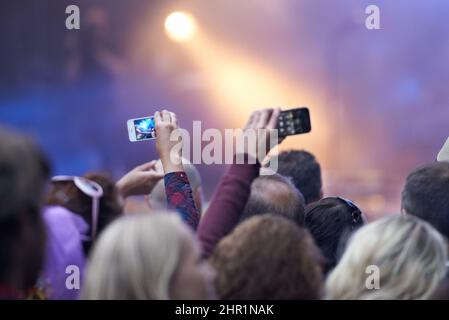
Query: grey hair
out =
(276, 194)
(408, 252)
(136, 258)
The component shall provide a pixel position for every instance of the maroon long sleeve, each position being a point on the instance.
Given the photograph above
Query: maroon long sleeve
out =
(227, 205)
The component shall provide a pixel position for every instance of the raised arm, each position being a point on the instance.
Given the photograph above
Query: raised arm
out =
(227, 205)
(177, 187)
(234, 189)
(140, 180)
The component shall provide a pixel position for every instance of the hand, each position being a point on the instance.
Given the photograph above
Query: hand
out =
(140, 180)
(260, 125)
(169, 150)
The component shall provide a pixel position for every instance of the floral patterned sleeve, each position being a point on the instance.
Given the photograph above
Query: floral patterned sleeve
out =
(180, 198)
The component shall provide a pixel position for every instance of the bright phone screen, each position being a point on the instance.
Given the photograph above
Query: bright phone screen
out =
(144, 128)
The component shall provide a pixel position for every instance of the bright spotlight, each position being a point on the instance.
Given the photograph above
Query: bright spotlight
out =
(180, 26)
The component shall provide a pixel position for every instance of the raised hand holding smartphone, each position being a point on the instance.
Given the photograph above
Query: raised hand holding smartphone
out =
(169, 151)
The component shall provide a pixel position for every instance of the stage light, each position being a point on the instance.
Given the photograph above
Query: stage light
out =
(180, 26)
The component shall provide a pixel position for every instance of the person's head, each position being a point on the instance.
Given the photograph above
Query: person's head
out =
(425, 195)
(69, 196)
(331, 221)
(397, 257)
(148, 256)
(24, 171)
(274, 194)
(304, 170)
(157, 199)
(268, 257)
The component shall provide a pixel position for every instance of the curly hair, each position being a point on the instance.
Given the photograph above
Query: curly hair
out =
(268, 257)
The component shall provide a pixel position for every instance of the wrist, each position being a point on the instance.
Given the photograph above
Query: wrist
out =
(172, 163)
(122, 189)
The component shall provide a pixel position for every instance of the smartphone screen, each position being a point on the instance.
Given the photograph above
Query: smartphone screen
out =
(141, 129)
(294, 121)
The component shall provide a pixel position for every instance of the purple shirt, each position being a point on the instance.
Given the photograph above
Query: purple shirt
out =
(65, 232)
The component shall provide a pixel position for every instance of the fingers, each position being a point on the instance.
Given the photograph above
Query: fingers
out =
(147, 166)
(166, 116)
(264, 117)
(253, 119)
(155, 175)
(174, 120)
(273, 122)
(157, 117)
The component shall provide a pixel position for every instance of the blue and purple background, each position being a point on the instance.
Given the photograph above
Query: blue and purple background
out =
(378, 98)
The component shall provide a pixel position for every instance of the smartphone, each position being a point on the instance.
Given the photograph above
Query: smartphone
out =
(443, 155)
(294, 121)
(141, 129)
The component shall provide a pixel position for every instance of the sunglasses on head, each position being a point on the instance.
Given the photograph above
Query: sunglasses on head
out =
(356, 213)
(91, 189)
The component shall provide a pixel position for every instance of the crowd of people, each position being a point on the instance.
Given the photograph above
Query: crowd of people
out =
(260, 237)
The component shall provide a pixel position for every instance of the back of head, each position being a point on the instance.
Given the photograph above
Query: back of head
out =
(305, 172)
(331, 221)
(277, 195)
(404, 256)
(267, 257)
(24, 171)
(425, 195)
(23, 174)
(158, 197)
(110, 206)
(136, 258)
(67, 194)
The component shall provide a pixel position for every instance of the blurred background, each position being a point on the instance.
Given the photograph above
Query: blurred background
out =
(378, 98)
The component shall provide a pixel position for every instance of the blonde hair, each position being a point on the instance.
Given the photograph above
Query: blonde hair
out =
(409, 254)
(136, 258)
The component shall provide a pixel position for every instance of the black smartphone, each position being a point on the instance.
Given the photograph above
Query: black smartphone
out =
(294, 121)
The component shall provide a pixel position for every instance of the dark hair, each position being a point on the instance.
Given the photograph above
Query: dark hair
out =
(24, 171)
(268, 257)
(331, 221)
(275, 194)
(442, 291)
(304, 170)
(77, 202)
(426, 195)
